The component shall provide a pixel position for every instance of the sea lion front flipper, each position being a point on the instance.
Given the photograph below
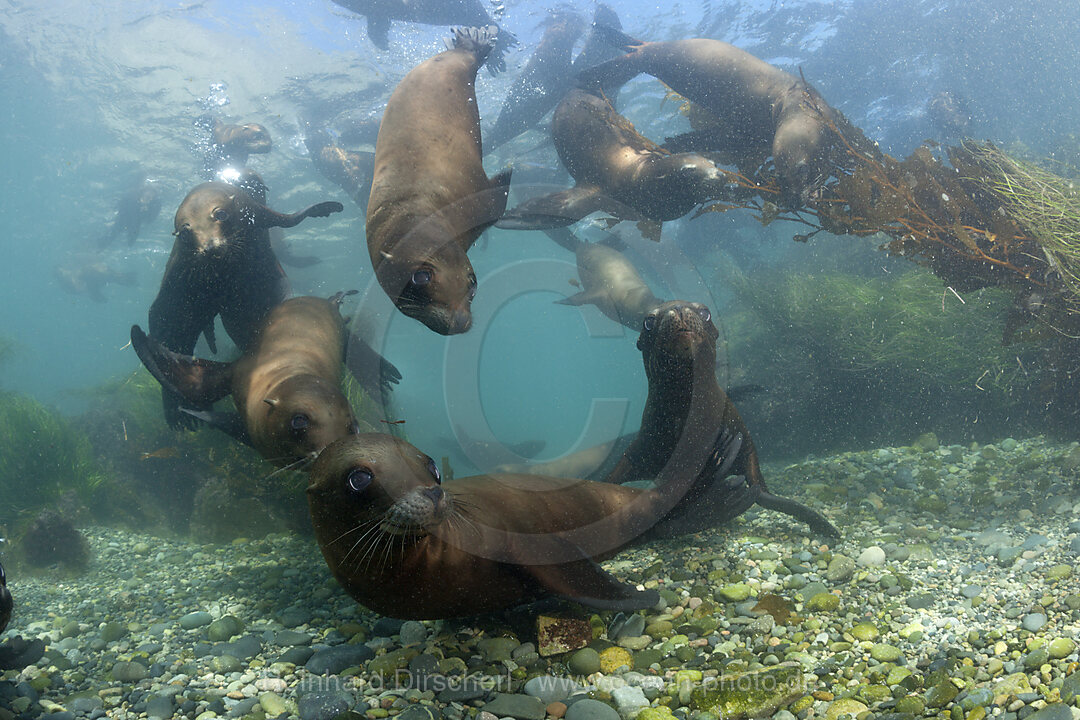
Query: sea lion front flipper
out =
(267, 218)
(229, 423)
(581, 579)
(581, 298)
(210, 334)
(817, 522)
(378, 29)
(375, 373)
(198, 381)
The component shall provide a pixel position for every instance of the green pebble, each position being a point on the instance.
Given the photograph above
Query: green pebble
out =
(273, 704)
(645, 658)
(224, 628)
(225, 664)
(585, 661)
(112, 631)
(910, 704)
(941, 694)
(734, 593)
(844, 706)
(802, 704)
(1059, 572)
(1061, 648)
(865, 631)
(883, 652)
(659, 629)
(1034, 659)
(823, 602)
(896, 675)
(875, 693)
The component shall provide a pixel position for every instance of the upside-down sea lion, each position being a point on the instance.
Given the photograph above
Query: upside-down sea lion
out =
(287, 387)
(430, 199)
(407, 546)
(616, 170)
(6, 603)
(352, 170)
(541, 84)
(678, 345)
(608, 280)
(380, 13)
(761, 109)
(221, 263)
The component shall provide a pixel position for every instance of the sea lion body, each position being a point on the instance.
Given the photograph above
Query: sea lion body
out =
(140, 204)
(608, 280)
(286, 388)
(234, 143)
(678, 346)
(221, 263)
(407, 546)
(761, 109)
(351, 170)
(616, 170)
(6, 603)
(89, 277)
(380, 13)
(546, 77)
(430, 198)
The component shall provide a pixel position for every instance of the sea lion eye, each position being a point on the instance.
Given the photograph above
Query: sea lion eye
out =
(299, 422)
(434, 470)
(220, 215)
(421, 277)
(359, 479)
(705, 314)
(650, 322)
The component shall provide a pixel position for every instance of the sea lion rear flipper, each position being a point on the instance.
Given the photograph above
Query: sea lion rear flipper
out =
(650, 229)
(581, 298)
(582, 580)
(198, 381)
(817, 522)
(613, 74)
(229, 423)
(498, 193)
(556, 210)
(565, 238)
(377, 30)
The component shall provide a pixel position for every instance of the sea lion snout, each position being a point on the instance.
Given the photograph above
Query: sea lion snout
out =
(677, 328)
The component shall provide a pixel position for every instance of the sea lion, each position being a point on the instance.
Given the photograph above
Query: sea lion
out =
(380, 13)
(138, 205)
(608, 280)
(221, 263)
(286, 387)
(82, 276)
(761, 110)
(6, 603)
(594, 463)
(430, 199)
(232, 144)
(616, 169)
(546, 77)
(350, 169)
(405, 545)
(678, 346)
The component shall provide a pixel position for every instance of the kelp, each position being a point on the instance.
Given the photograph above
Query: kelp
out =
(42, 458)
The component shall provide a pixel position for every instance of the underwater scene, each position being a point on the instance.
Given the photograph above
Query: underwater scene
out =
(530, 359)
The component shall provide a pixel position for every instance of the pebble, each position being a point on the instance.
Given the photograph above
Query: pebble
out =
(520, 707)
(585, 661)
(335, 659)
(872, 556)
(550, 688)
(589, 709)
(323, 705)
(840, 569)
(193, 620)
(1032, 622)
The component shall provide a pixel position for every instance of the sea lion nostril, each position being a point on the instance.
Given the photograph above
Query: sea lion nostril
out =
(435, 494)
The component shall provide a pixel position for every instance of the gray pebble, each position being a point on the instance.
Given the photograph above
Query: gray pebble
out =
(335, 659)
(549, 688)
(589, 709)
(128, 671)
(1033, 621)
(159, 706)
(412, 633)
(520, 707)
(193, 620)
(323, 705)
(971, 591)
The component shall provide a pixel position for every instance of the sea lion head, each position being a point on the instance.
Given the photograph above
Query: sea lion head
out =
(304, 415)
(373, 480)
(251, 138)
(429, 279)
(217, 217)
(677, 332)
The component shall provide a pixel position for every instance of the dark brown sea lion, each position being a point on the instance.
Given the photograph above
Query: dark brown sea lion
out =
(678, 345)
(616, 169)
(546, 78)
(608, 280)
(407, 546)
(6, 603)
(350, 169)
(286, 387)
(380, 13)
(430, 199)
(761, 110)
(138, 205)
(221, 263)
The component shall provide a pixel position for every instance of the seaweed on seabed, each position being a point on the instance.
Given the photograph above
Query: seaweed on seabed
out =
(52, 539)
(42, 459)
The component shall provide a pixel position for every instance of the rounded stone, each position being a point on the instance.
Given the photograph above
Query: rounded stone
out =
(872, 556)
(883, 652)
(589, 709)
(1062, 648)
(823, 602)
(196, 619)
(865, 631)
(1032, 622)
(585, 661)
